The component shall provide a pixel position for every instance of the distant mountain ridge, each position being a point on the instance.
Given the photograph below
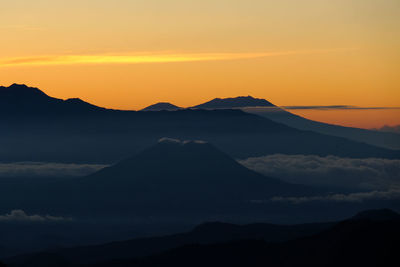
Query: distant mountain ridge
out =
(235, 102)
(19, 99)
(249, 104)
(388, 140)
(38, 127)
(161, 106)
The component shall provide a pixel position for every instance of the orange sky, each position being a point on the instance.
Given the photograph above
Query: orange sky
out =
(129, 54)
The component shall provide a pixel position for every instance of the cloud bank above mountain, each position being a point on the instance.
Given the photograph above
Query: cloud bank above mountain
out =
(363, 174)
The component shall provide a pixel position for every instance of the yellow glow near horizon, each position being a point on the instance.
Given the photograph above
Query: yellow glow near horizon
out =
(145, 58)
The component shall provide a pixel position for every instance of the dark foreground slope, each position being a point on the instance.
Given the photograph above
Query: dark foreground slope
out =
(36, 127)
(346, 245)
(207, 233)
(349, 243)
(368, 239)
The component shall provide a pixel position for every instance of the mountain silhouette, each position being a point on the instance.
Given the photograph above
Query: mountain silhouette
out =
(177, 176)
(37, 127)
(161, 106)
(235, 102)
(19, 99)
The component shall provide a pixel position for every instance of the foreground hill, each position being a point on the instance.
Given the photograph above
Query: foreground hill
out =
(347, 244)
(207, 233)
(361, 241)
(37, 127)
(268, 110)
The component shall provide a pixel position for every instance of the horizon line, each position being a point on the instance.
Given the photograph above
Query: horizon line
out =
(287, 107)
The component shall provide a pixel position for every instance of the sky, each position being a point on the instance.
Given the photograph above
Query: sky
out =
(128, 54)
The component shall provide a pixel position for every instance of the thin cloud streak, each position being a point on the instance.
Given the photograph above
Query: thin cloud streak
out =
(21, 27)
(146, 58)
(21, 216)
(392, 194)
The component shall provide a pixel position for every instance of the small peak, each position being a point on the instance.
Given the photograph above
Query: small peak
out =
(161, 106)
(235, 102)
(16, 85)
(21, 90)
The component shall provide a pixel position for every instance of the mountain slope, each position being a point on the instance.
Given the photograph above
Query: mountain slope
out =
(21, 100)
(161, 106)
(377, 138)
(268, 110)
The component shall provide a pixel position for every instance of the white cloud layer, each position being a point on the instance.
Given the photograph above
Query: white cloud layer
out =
(21, 216)
(44, 169)
(364, 174)
(392, 194)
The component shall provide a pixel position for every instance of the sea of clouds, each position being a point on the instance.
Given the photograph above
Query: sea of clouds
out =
(362, 174)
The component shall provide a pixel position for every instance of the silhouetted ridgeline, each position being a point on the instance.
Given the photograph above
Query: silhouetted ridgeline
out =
(377, 138)
(266, 109)
(37, 127)
(161, 106)
(362, 240)
(236, 102)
